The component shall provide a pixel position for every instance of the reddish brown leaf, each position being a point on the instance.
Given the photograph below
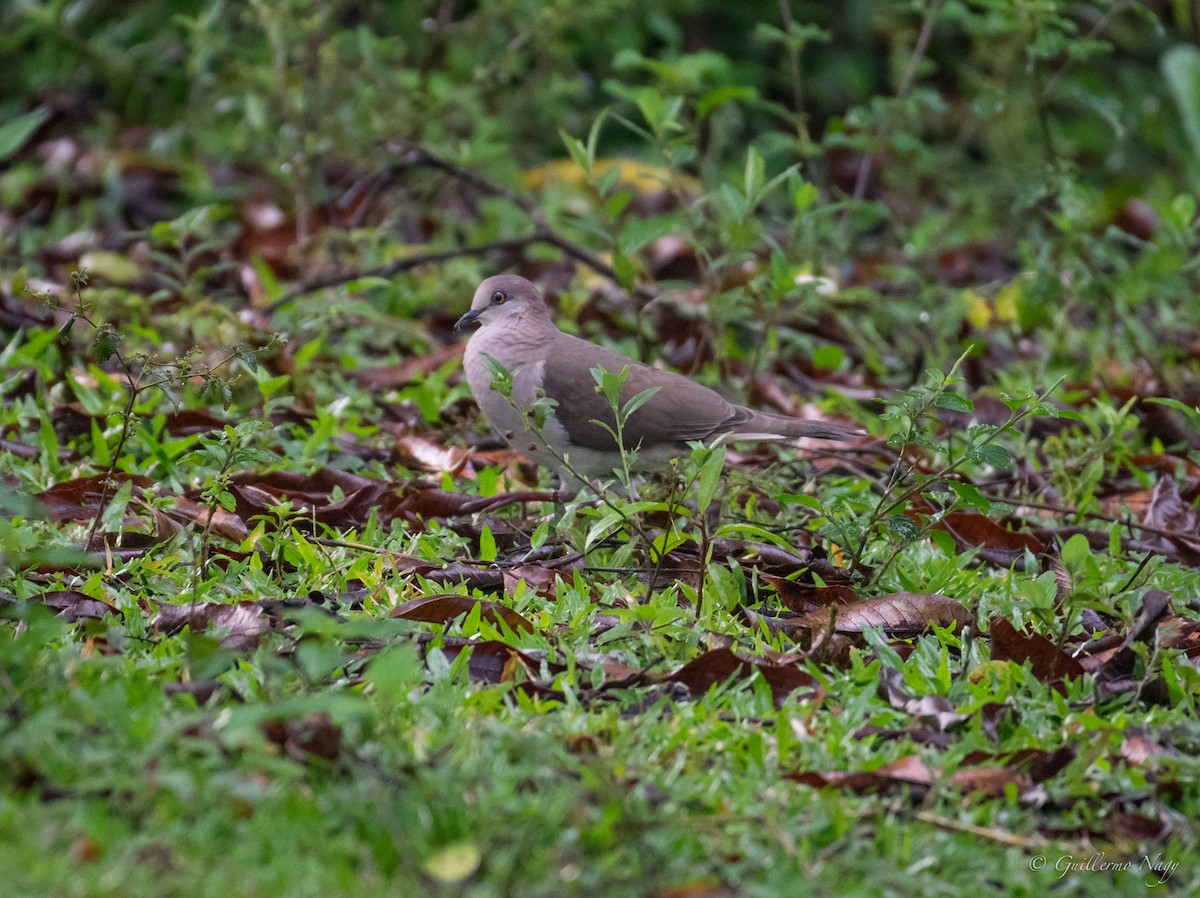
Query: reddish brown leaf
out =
(722, 665)
(418, 502)
(908, 771)
(701, 889)
(80, 499)
(1138, 748)
(901, 613)
(492, 661)
(1114, 672)
(991, 781)
(1138, 828)
(997, 544)
(1138, 218)
(123, 546)
(244, 621)
(991, 716)
(311, 496)
(73, 605)
(1168, 511)
(193, 420)
(84, 850)
(469, 576)
(410, 370)
(541, 579)
(1171, 466)
(19, 449)
(1182, 634)
(200, 690)
(216, 520)
(443, 608)
(804, 597)
(1035, 764)
(314, 734)
(1050, 664)
(422, 454)
(935, 709)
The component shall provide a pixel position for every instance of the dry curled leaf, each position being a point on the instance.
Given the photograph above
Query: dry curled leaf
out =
(898, 614)
(445, 607)
(244, 622)
(73, 605)
(722, 665)
(1049, 663)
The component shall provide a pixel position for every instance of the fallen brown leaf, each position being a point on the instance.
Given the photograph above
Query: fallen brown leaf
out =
(898, 614)
(445, 607)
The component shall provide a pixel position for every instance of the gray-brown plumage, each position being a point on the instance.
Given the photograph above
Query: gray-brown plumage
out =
(515, 329)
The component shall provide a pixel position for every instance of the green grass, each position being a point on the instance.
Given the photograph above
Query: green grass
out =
(232, 244)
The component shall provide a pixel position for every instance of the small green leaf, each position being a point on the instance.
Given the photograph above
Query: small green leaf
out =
(710, 476)
(955, 403)
(99, 445)
(638, 233)
(715, 98)
(970, 496)
(638, 401)
(804, 196)
(539, 535)
(487, 544)
(1076, 551)
(802, 499)
(828, 357)
(488, 481)
(608, 180)
(502, 379)
(754, 174)
(994, 455)
(577, 152)
(114, 513)
(609, 384)
(903, 528)
(624, 270)
(106, 342)
(15, 132)
(943, 541)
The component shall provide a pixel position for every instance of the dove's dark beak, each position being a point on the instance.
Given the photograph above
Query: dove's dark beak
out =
(466, 321)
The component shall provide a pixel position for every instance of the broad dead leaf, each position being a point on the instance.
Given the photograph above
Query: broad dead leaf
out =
(721, 665)
(445, 607)
(80, 499)
(1049, 663)
(898, 614)
(244, 622)
(73, 605)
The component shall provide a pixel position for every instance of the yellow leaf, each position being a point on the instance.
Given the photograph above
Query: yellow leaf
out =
(1008, 301)
(979, 311)
(641, 177)
(116, 268)
(454, 863)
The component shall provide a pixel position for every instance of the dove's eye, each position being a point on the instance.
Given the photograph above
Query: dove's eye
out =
(498, 298)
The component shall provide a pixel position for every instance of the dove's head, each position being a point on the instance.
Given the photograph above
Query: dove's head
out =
(506, 301)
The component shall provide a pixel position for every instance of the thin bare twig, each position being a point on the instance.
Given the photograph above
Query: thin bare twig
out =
(394, 268)
(906, 85)
(413, 155)
(797, 74)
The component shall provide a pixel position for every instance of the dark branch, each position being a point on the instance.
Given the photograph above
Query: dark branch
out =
(413, 156)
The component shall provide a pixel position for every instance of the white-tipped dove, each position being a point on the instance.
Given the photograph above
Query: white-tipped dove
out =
(515, 329)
